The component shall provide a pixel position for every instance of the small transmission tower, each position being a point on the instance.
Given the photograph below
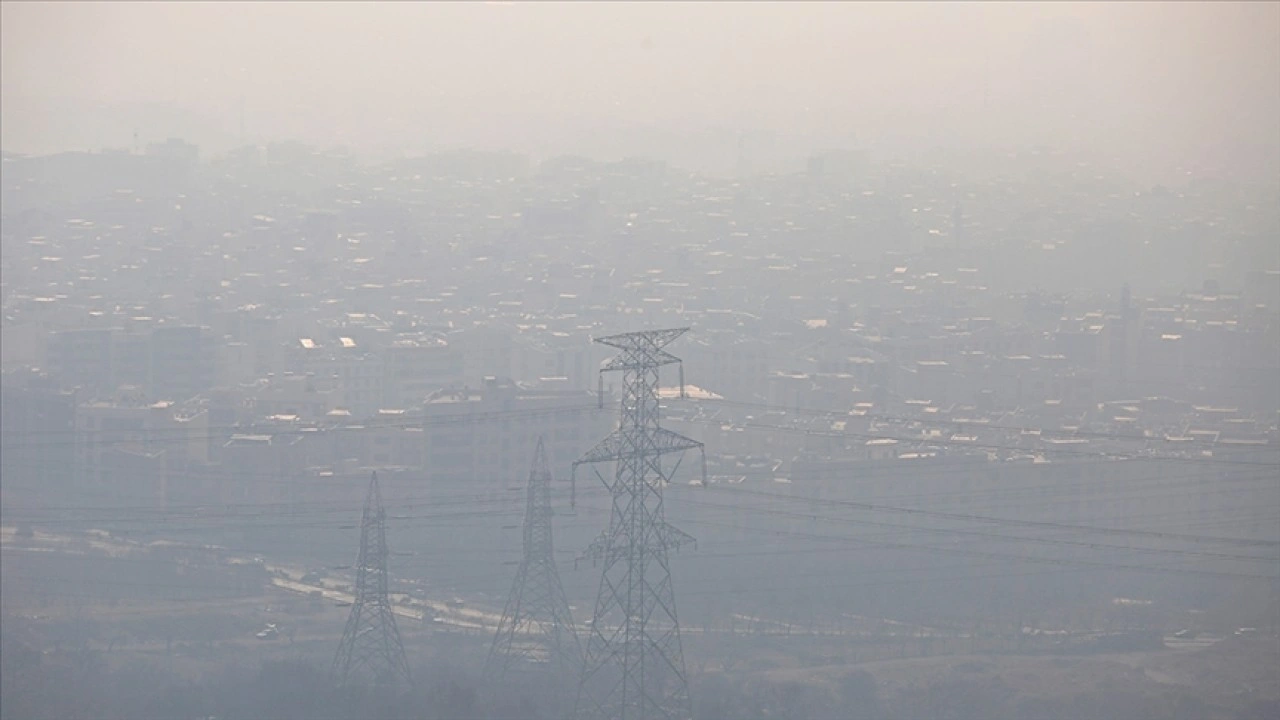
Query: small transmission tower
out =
(371, 644)
(536, 625)
(634, 667)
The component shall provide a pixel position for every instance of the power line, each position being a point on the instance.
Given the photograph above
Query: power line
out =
(994, 536)
(1201, 484)
(217, 432)
(1042, 524)
(1006, 556)
(1002, 561)
(979, 424)
(220, 432)
(941, 443)
(204, 512)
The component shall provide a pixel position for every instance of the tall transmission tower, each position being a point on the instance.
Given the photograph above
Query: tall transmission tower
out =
(371, 645)
(634, 666)
(536, 625)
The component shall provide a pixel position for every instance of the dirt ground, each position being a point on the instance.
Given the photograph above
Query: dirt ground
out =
(1236, 678)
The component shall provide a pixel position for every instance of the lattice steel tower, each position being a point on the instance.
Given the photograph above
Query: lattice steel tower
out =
(634, 666)
(371, 645)
(536, 625)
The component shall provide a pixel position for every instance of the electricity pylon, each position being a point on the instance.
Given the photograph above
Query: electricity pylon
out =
(371, 645)
(536, 626)
(634, 666)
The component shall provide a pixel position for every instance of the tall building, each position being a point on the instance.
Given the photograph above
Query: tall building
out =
(484, 436)
(171, 362)
(416, 367)
(182, 362)
(36, 440)
(83, 358)
(127, 447)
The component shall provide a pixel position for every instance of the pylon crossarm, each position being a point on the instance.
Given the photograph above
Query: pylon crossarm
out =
(674, 538)
(639, 361)
(620, 445)
(598, 548)
(606, 450)
(651, 339)
(666, 441)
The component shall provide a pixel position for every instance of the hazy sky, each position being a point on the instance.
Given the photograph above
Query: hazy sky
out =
(1171, 83)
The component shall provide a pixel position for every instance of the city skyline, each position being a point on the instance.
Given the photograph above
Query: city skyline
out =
(1139, 83)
